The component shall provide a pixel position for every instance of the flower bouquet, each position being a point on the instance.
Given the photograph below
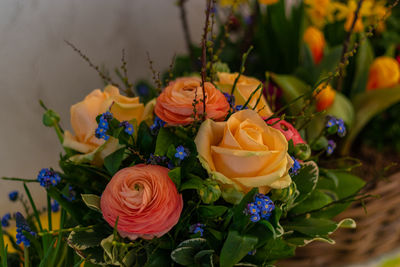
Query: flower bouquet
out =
(205, 174)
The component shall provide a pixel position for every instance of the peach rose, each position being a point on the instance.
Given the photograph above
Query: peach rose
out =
(244, 87)
(242, 153)
(145, 201)
(175, 104)
(384, 72)
(83, 116)
(315, 40)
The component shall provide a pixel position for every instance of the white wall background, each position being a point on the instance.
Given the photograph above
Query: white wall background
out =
(35, 63)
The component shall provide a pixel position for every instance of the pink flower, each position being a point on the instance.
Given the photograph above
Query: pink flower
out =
(287, 129)
(145, 201)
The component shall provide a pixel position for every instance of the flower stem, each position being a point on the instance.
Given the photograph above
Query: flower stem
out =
(28, 193)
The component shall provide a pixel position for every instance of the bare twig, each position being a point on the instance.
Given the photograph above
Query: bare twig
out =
(156, 74)
(346, 43)
(204, 56)
(107, 79)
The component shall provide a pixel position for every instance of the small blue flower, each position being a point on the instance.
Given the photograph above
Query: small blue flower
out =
(128, 127)
(197, 228)
(55, 206)
(156, 160)
(341, 128)
(252, 253)
(230, 98)
(180, 153)
(22, 225)
(71, 194)
(158, 123)
(240, 107)
(331, 147)
(142, 89)
(255, 217)
(47, 177)
(295, 168)
(331, 121)
(13, 195)
(252, 208)
(5, 220)
(102, 128)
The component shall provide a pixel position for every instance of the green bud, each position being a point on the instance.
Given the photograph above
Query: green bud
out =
(332, 130)
(284, 194)
(221, 67)
(50, 118)
(210, 192)
(302, 151)
(320, 144)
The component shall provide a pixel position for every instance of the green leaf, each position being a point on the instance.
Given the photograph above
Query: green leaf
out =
(347, 185)
(185, 252)
(236, 248)
(175, 175)
(145, 139)
(364, 58)
(164, 139)
(193, 183)
(92, 201)
(368, 105)
(274, 249)
(82, 240)
(316, 227)
(239, 220)
(204, 258)
(316, 200)
(113, 161)
(306, 180)
(211, 211)
(3, 249)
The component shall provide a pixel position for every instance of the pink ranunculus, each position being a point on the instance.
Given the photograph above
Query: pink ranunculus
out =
(287, 129)
(145, 201)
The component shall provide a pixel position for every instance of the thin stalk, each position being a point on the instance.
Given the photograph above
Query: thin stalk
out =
(26, 257)
(36, 213)
(20, 179)
(49, 212)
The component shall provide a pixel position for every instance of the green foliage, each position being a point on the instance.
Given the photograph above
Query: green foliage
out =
(368, 105)
(236, 248)
(92, 201)
(113, 161)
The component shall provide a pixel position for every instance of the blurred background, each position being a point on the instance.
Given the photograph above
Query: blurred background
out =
(36, 63)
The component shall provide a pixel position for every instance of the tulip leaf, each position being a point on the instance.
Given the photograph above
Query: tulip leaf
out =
(364, 58)
(235, 248)
(292, 88)
(368, 105)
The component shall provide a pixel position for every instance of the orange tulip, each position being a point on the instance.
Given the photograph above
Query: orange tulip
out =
(325, 97)
(315, 40)
(384, 72)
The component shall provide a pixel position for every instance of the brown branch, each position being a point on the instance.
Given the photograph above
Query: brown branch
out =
(346, 44)
(204, 56)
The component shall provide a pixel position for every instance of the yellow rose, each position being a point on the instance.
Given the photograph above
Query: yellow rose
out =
(83, 116)
(384, 72)
(243, 153)
(244, 87)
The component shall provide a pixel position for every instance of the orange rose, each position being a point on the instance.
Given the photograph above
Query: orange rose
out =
(145, 201)
(384, 72)
(315, 40)
(325, 97)
(242, 153)
(244, 87)
(175, 104)
(83, 116)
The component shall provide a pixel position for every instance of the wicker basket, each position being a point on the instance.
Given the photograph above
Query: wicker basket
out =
(377, 232)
